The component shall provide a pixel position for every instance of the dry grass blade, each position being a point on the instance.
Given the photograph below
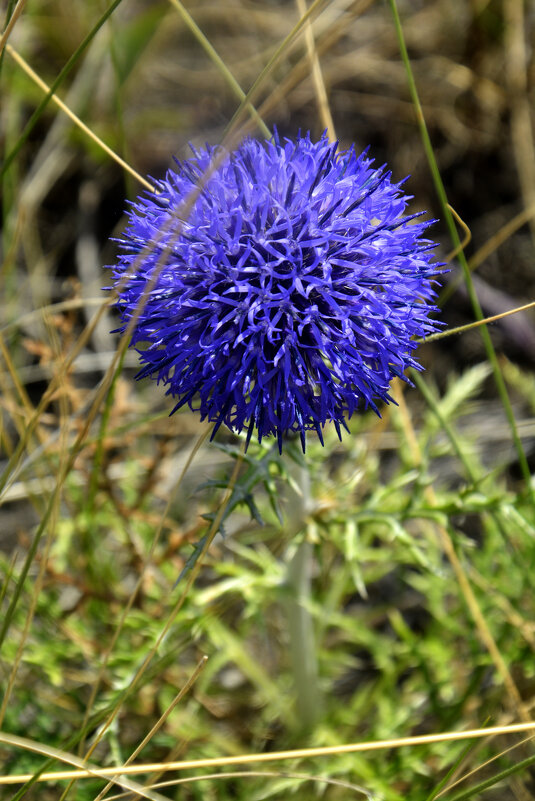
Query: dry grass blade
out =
(157, 726)
(481, 255)
(221, 66)
(10, 472)
(495, 317)
(63, 451)
(17, 11)
(467, 236)
(70, 759)
(75, 119)
(300, 71)
(52, 308)
(472, 294)
(254, 774)
(483, 765)
(247, 759)
(251, 95)
(501, 236)
(317, 76)
(517, 66)
(214, 528)
(94, 690)
(515, 699)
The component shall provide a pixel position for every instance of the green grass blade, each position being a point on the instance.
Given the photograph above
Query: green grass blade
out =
(221, 66)
(443, 199)
(498, 777)
(253, 91)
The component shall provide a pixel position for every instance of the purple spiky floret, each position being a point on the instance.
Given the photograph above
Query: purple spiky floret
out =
(285, 293)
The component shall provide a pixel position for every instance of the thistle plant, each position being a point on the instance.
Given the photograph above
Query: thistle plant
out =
(286, 295)
(383, 586)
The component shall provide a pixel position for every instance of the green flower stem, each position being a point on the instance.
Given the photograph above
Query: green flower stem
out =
(302, 641)
(303, 654)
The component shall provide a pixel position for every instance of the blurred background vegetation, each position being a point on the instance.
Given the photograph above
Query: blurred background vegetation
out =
(418, 610)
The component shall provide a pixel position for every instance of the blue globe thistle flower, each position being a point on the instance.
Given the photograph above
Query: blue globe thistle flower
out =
(285, 294)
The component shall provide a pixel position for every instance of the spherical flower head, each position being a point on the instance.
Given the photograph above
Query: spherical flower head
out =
(278, 287)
